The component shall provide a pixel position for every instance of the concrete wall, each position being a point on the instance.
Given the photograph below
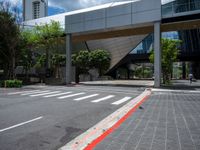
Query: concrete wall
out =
(103, 17)
(118, 15)
(117, 47)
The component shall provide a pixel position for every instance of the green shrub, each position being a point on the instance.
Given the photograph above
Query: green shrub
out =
(13, 83)
(1, 83)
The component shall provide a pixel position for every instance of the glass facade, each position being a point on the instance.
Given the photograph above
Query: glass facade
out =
(145, 46)
(190, 45)
(190, 42)
(36, 10)
(180, 6)
(186, 5)
(189, 50)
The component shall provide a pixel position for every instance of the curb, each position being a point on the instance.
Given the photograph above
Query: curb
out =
(89, 139)
(116, 85)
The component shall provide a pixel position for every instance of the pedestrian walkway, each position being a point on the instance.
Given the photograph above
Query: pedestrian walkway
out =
(131, 83)
(168, 120)
(78, 96)
(185, 84)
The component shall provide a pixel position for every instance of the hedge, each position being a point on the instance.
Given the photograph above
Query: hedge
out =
(1, 83)
(12, 83)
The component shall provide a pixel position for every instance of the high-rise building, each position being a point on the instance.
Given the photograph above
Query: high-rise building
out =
(33, 9)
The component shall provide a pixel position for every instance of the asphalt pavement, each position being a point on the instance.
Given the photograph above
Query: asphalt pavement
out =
(48, 117)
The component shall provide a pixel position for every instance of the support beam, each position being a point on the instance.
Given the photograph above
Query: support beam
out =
(68, 58)
(157, 55)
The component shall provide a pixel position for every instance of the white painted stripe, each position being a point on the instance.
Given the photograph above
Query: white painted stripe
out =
(62, 97)
(20, 124)
(41, 94)
(85, 97)
(35, 92)
(53, 95)
(121, 100)
(103, 99)
(13, 93)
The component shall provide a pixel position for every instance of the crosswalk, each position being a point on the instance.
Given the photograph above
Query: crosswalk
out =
(75, 96)
(85, 97)
(103, 98)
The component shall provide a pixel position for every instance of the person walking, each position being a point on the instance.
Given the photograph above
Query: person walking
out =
(190, 77)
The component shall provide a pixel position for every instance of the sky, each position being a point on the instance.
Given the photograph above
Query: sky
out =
(60, 6)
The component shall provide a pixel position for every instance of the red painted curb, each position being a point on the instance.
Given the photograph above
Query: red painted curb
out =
(94, 143)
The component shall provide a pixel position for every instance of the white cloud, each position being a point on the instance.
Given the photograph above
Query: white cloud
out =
(69, 5)
(14, 2)
(166, 1)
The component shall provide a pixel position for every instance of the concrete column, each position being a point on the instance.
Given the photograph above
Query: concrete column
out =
(68, 58)
(157, 55)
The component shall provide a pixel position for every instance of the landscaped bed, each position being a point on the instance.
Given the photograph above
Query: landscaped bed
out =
(11, 83)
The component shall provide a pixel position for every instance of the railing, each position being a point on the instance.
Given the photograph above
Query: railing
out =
(174, 8)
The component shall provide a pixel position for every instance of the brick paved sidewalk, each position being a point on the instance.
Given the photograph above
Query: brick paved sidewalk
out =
(168, 121)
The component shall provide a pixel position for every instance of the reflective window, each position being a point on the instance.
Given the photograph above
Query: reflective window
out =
(36, 10)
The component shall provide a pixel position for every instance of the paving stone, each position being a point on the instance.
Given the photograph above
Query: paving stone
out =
(143, 147)
(169, 120)
(158, 145)
(129, 146)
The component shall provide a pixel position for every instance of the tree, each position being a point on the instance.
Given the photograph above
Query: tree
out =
(25, 58)
(49, 37)
(58, 60)
(85, 60)
(100, 59)
(9, 40)
(169, 55)
(81, 62)
(45, 41)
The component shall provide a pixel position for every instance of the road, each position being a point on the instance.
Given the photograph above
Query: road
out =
(47, 117)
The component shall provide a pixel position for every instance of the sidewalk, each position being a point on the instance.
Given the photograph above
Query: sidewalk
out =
(176, 84)
(166, 121)
(128, 83)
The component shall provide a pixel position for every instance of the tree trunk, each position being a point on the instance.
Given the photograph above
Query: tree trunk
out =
(77, 75)
(47, 59)
(184, 70)
(12, 67)
(57, 71)
(100, 72)
(47, 64)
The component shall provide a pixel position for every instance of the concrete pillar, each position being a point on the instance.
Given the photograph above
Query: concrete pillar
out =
(68, 58)
(157, 54)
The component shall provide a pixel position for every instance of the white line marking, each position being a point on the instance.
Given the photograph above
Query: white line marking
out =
(53, 95)
(103, 99)
(89, 96)
(20, 124)
(35, 92)
(13, 93)
(62, 97)
(41, 94)
(121, 100)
